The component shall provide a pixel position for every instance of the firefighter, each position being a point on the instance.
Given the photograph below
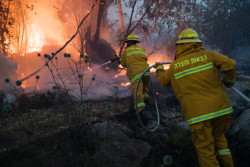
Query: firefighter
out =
(135, 60)
(194, 77)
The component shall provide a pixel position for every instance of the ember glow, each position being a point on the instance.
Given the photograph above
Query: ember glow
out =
(122, 73)
(46, 34)
(36, 40)
(125, 84)
(24, 84)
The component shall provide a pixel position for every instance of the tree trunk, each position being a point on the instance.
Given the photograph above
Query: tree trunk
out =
(99, 20)
(121, 19)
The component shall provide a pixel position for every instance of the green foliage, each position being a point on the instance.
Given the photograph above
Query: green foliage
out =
(80, 75)
(109, 107)
(90, 104)
(7, 108)
(7, 80)
(49, 58)
(18, 83)
(66, 55)
(84, 106)
(37, 77)
(167, 160)
(221, 24)
(181, 139)
(86, 60)
(224, 24)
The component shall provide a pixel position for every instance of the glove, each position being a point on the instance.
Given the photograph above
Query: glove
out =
(229, 83)
(115, 59)
(158, 66)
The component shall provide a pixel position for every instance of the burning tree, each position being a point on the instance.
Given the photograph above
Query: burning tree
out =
(21, 25)
(89, 41)
(6, 23)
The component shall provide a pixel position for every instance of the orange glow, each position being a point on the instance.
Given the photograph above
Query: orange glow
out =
(24, 84)
(157, 93)
(90, 69)
(165, 67)
(158, 58)
(122, 73)
(125, 84)
(36, 39)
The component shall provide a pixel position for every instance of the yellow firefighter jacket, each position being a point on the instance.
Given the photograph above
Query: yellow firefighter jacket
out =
(197, 85)
(135, 60)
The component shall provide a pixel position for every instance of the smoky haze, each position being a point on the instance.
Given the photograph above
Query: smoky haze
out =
(8, 70)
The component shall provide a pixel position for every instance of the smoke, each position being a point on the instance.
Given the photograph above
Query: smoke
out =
(8, 71)
(241, 55)
(98, 84)
(45, 19)
(106, 86)
(53, 24)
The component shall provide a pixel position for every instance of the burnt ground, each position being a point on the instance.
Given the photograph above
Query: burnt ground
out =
(42, 132)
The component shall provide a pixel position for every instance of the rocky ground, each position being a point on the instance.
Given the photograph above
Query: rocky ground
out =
(41, 131)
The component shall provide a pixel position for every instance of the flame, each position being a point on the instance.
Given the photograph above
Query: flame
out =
(125, 84)
(122, 73)
(24, 84)
(166, 67)
(36, 40)
(90, 69)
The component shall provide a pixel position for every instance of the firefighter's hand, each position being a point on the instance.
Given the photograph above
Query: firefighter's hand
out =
(115, 59)
(156, 64)
(118, 61)
(228, 83)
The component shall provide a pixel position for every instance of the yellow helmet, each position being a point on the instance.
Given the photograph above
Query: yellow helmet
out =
(132, 37)
(187, 36)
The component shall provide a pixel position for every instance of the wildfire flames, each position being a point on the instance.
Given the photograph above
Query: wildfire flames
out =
(41, 32)
(122, 73)
(36, 40)
(125, 84)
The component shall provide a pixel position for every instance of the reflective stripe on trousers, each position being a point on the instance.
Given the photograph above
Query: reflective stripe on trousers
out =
(210, 142)
(138, 76)
(210, 116)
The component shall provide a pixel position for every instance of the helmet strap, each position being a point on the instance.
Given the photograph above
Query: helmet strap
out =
(129, 43)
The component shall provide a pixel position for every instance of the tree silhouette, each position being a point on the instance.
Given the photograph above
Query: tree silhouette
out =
(6, 23)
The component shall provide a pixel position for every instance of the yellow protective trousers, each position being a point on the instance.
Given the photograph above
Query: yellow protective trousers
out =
(210, 142)
(142, 92)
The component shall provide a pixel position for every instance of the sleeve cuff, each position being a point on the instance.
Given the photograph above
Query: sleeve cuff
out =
(230, 81)
(159, 67)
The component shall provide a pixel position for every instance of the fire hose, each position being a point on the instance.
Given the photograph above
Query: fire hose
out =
(117, 58)
(241, 94)
(155, 100)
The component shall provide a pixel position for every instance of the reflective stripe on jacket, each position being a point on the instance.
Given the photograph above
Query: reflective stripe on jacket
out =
(194, 77)
(135, 60)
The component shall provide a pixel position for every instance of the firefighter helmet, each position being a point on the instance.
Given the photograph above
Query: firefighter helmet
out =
(132, 37)
(187, 36)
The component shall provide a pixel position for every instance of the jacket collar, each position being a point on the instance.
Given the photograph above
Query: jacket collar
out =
(188, 48)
